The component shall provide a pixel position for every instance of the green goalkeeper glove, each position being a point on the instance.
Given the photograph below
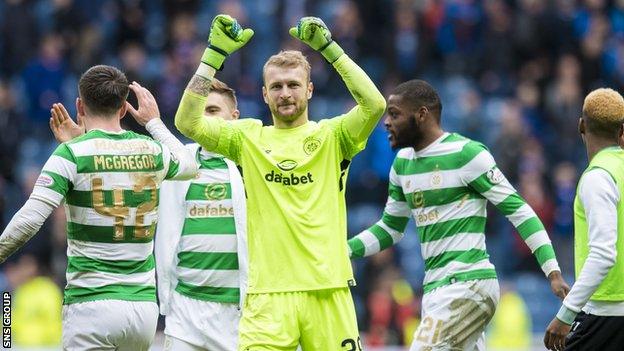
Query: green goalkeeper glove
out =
(314, 32)
(226, 36)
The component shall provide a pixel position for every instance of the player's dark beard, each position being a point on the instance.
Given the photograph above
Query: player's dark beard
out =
(409, 135)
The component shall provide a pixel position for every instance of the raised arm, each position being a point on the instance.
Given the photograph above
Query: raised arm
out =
(147, 114)
(482, 175)
(362, 119)
(389, 229)
(62, 126)
(226, 36)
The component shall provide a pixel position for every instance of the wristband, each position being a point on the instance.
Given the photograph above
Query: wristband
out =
(206, 71)
(332, 51)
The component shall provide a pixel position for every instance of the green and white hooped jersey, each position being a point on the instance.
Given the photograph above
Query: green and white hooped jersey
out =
(445, 188)
(110, 184)
(207, 259)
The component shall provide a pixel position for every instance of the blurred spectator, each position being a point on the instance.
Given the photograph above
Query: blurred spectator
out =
(563, 103)
(131, 21)
(347, 27)
(183, 42)
(406, 41)
(11, 125)
(134, 64)
(43, 84)
(67, 18)
(513, 132)
(17, 21)
(36, 306)
(565, 179)
(169, 88)
(498, 51)
(592, 46)
(459, 36)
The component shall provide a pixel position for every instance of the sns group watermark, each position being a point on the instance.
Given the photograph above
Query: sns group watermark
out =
(6, 320)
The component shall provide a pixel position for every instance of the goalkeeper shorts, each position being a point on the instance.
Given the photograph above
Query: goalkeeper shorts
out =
(454, 316)
(109, 325)
(319, 319)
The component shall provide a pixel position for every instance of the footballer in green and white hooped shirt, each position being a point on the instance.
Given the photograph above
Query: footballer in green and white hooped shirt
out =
(444, 181)
(200, 246)
(108, 179)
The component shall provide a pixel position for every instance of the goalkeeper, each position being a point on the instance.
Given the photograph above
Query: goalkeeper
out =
(295, 170)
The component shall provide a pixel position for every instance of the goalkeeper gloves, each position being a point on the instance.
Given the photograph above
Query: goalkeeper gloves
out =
(314, 32)
(226, 36)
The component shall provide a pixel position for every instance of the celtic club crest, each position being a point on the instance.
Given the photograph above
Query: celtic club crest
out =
(216, 191)
(310, 144)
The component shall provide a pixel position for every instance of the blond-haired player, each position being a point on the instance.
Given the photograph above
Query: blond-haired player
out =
(295, 174)
(592, 315)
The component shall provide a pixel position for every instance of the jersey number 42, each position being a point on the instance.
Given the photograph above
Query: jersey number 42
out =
(120, 210)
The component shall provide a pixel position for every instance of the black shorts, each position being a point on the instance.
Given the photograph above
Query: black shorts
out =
(590, 332)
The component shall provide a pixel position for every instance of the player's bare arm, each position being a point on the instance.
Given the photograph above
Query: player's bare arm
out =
(558, 285)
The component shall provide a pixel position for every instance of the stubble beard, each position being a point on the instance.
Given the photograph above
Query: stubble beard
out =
(299, 109)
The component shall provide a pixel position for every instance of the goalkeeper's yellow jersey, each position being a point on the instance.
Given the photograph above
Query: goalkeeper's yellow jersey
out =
(295, 185)
(296, 213)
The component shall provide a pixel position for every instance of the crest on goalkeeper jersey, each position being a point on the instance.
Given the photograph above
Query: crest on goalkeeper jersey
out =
(310, 144)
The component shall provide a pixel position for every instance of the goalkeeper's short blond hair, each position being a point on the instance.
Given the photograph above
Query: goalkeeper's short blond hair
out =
(603, 110)
(289, 59)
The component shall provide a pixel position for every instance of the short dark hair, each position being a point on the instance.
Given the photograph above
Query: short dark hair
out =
(103, 89)
(419, 93)
(219, 87)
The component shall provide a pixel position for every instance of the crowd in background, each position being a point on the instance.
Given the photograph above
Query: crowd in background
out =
(512, 74)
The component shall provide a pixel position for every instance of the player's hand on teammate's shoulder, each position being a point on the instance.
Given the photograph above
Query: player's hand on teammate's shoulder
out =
(558, 285)
(62, 126)
(226, 36)
(147, 108)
